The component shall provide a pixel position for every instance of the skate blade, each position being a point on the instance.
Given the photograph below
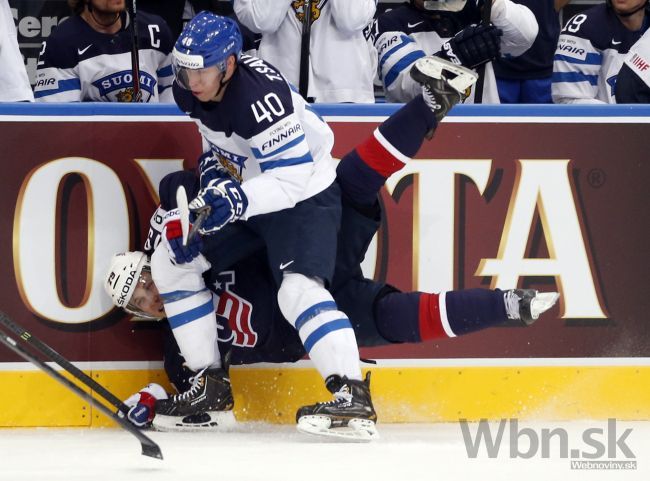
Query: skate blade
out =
(436, 67)
(358, 430)
(542, 302)
(207, 421)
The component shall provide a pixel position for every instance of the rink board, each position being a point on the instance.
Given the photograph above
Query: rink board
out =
(400, 394)
(81, 185)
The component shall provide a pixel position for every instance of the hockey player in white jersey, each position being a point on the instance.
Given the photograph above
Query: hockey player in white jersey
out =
(633, 82)
(14, 84)
(88, 57)
(448, 28)
(591, 50)
(341, 64)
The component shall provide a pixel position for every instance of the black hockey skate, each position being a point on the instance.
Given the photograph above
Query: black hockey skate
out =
(528, 304)
(349, 416)
(444, 84)
(206, 405)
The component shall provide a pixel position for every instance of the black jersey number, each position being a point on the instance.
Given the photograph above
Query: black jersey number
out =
(269, 107)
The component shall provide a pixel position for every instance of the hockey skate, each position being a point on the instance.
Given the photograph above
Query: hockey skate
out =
(528, 304)
(350, 416)
(207, 405)
(444, 84)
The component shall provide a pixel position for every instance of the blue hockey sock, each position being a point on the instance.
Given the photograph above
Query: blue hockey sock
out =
(417, 316)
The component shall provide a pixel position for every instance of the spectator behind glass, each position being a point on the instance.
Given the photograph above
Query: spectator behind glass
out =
(342, 64)
(527, 79)
(448, 29)
(14, 84)
(88, 57)
(633, 82)
(591, 50)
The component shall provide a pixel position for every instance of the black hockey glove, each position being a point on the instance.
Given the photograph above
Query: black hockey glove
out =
(472, 46)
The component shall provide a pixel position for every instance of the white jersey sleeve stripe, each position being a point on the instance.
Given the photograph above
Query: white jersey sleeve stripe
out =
(191, 315)
(402, 65)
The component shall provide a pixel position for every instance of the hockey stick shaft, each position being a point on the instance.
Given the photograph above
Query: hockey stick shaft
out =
(54, 356)
(135, 54)
(149, 447)
(480, 83)
(305, 41)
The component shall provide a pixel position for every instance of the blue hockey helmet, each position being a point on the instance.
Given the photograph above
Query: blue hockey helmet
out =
(207, 40)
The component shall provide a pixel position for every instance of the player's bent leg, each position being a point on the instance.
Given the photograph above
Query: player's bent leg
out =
(416, 316)
(207, 404)
(329, 340)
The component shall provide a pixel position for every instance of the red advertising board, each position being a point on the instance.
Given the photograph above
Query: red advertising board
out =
(552, 199)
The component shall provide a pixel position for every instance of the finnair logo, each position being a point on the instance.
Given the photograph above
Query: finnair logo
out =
(525, 443)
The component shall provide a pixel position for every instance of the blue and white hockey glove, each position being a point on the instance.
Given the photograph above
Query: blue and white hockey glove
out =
(210, 169)
(227, 203)
(143, 404)
(472, 46)
(173, 239)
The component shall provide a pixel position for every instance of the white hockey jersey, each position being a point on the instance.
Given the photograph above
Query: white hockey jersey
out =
(342, 63)
(406, 34)
(266, 136)
(589, 55)
(78, 63)
(14, 83)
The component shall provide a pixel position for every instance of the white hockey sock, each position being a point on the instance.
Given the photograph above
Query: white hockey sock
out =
(325, 331)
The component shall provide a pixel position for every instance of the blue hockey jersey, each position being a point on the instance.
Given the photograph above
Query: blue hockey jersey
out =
(77, 63)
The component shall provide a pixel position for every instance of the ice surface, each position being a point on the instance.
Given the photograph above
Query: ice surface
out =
(263, 452)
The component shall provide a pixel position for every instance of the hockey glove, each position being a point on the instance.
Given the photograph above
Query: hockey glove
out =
(142, 404)
(472, 46)
(210, 169)
(173, 239)
(227, 203)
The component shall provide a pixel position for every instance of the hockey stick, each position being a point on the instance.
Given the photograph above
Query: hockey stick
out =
(51, 354)
(305, 40)
(184, 212)
(149, 447)
(135, 55)
(485, 20)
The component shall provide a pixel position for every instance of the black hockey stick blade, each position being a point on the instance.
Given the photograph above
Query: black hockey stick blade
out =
(54, 356)
(149, 447)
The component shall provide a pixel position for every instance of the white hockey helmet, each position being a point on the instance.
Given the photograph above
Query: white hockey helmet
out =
(123, 276)
(444, 5)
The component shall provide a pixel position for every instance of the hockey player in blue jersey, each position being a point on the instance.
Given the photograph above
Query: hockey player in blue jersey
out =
(633, 81)
(448, 28)
(592, 48)
(252, 326)
(88, 57)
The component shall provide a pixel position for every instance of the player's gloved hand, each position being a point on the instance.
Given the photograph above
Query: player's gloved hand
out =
(210, 169)
(142, 404)
(226, 200)
(173, 239)
(472, 46)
